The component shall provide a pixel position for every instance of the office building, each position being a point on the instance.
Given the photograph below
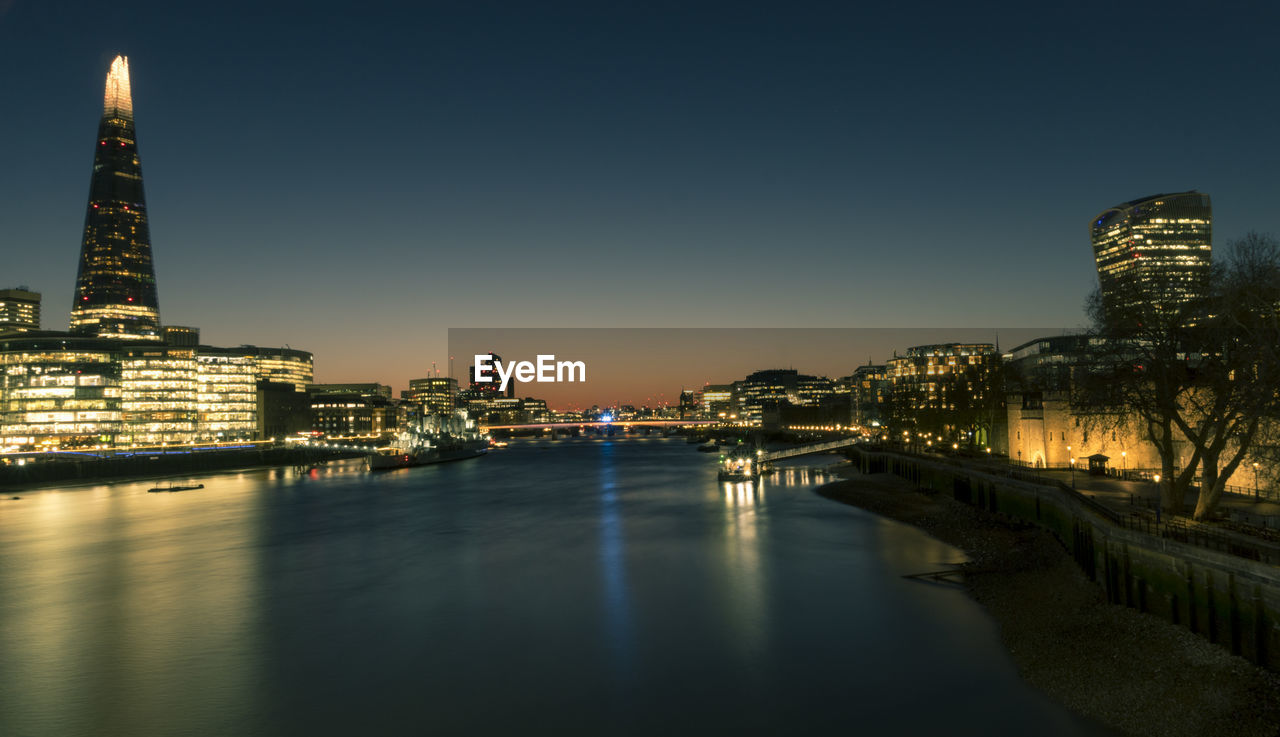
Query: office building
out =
(226, 395)
(1154, 252)
(58, 392)
(19, 310)
(436, 394)
(158, 389)
(282, 365)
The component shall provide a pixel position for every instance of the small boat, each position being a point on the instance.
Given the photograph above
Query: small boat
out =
(171, 487)
(740, 464)
(708, 447)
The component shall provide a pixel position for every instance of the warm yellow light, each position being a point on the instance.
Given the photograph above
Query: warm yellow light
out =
(118, 100)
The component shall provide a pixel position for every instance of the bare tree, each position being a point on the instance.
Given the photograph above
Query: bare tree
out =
(1199, 373)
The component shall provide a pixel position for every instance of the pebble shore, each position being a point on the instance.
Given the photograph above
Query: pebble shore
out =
(1137, 674)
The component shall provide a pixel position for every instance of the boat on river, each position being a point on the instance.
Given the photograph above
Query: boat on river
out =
(435, 439)
(172, 487)
(741, 464)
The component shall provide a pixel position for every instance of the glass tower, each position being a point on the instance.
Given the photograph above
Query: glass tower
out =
(115, 293)
(1153, 253)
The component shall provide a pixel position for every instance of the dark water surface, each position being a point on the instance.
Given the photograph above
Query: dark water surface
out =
(588, 587)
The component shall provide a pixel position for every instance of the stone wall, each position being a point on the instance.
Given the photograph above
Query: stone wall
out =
(1228, 599)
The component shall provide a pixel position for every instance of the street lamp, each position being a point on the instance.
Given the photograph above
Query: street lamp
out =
(1255, 482)
(1124, 460)
(1073, 473)
(1159, 498)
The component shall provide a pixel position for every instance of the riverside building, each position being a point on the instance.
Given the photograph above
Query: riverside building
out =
(282, 365)
(119, 378)
(226, 395)
(949, 390)
(58, 391)
(158, 395)
(436, 394)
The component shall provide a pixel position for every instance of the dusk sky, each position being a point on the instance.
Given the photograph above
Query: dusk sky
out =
(354, 180)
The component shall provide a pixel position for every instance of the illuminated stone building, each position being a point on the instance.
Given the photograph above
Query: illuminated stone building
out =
(1047, 430)
(58, 392)
(436, 394)
(19, 310)
(1154, 251)
(158, 395)
(949, 390)
(226, 395)
(115, 294)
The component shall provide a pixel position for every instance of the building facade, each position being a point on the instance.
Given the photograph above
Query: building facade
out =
(1153, 252)
(951, 391)
(115, 294)
(19, 310)
(716, 403)
(158, 395)
(226, 395)
(58, 392)
(869, 397)
(282, 365)
(436, 394)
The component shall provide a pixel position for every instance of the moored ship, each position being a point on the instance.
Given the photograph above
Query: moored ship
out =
(436, 439)
(741, 464)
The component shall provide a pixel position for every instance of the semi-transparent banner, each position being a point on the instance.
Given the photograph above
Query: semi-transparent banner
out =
(578, 368)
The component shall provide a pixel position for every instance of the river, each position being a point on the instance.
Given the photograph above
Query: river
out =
(586, 586)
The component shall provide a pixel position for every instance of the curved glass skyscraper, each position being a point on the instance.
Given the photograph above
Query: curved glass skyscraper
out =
(1153, 252)
(116, 286)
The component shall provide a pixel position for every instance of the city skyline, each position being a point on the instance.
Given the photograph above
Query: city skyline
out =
(420, 212)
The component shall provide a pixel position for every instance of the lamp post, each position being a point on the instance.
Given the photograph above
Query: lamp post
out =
(1159, 498)
(1255, 482)
(1073, 473)
(1124, 460)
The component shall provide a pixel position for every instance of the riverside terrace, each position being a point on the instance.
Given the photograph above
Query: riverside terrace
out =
(1220, 580)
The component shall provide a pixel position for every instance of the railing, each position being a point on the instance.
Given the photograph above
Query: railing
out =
(807, 449)
(1245, 541)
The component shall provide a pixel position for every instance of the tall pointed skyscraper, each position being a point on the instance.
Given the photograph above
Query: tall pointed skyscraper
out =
(116, 285)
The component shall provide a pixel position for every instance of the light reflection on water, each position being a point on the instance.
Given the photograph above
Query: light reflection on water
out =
(577, 586)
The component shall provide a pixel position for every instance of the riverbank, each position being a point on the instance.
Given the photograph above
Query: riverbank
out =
(160, 465)
(1132, 672)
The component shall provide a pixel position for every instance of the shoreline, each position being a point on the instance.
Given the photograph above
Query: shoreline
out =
(16, 488)
(1131, 672)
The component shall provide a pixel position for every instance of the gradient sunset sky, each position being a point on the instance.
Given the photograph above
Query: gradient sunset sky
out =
(355, 179)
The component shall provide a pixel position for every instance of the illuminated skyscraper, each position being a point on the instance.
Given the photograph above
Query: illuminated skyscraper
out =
(116, 286)
(1153, 252)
